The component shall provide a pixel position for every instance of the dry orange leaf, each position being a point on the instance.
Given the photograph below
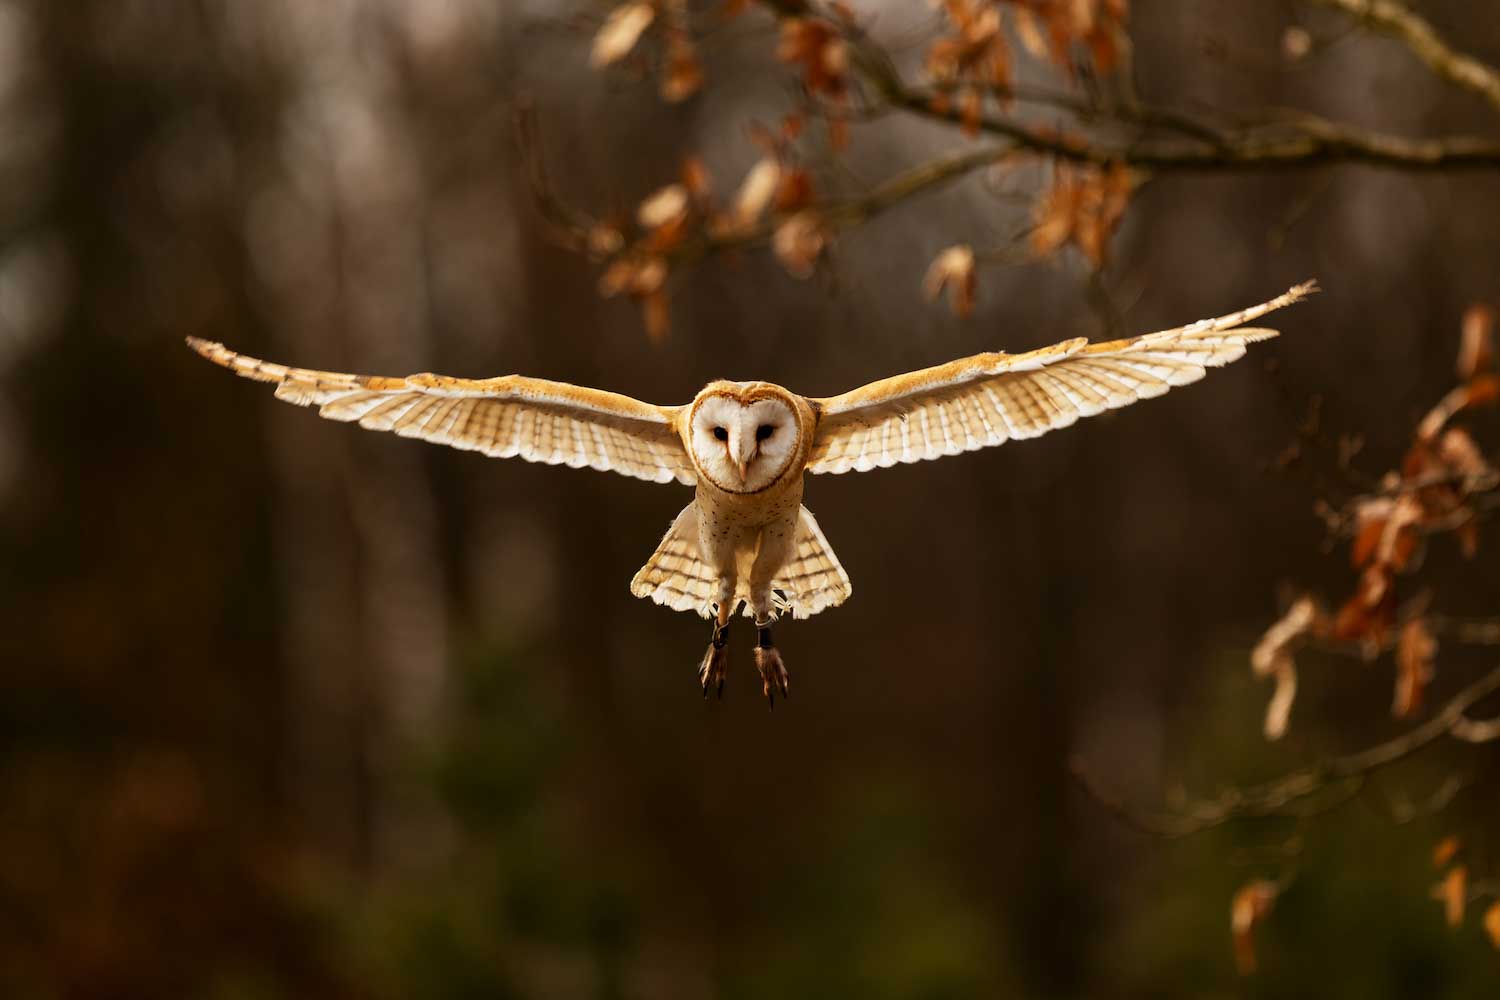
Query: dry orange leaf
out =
(756, 191)
(1453, 893)
(1492, 924)
(1476, 349)
(799, 242)
(663, 207)
(1250, 906)
(621, 30)
(1273, 655)
(1445, 851)
(953, 269)
(684, 70)
(1415, 651)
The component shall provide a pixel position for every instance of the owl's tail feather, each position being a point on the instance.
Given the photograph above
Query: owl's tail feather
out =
(812, 579)
(677, 577)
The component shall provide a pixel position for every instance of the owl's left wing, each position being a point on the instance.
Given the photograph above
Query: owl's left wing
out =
(535, 419)
(988, 399)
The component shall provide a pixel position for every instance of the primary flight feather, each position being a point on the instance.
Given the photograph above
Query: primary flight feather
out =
(746, 540)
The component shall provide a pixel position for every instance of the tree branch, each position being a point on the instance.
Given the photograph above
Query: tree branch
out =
(1313, 141)
(1399, 21)
(1294, 793)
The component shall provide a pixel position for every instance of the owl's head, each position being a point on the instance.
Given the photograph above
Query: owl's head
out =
(744, 434)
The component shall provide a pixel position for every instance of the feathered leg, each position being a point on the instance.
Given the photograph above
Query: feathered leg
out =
(768, 661)
(716, 660)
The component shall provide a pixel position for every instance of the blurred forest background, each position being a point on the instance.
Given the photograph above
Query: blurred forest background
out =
(292, 709)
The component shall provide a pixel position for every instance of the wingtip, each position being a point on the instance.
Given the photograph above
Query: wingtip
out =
(205, 348)
(1299, 292)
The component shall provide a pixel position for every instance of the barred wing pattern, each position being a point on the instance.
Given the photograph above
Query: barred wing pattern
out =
(988, 399)
(535, 419)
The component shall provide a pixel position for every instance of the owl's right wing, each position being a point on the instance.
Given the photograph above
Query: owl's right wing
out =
(535, 419)
(988, 399)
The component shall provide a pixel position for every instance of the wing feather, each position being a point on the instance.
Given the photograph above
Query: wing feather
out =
(988, 399)
(538, 420)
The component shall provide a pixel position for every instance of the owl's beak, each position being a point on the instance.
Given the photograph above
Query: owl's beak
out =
(740, 461)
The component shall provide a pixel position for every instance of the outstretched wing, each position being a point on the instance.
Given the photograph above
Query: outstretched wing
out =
(538, 420)
(989, 399)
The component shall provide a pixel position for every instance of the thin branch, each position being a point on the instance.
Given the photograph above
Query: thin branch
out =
(1294, 793)
(1318, 142)
(1399, 21)
(1314, 141)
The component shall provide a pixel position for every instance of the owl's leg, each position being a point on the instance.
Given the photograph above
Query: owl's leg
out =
(768, 661)
(715, 664)
(776, 545)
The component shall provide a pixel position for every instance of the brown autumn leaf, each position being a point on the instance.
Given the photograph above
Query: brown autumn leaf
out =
(953, 269)
(1482, 391)
(1458, 452)
(977, 50)
(1296, 43)
(1272, 656)
(794, 191)
(1476, 349)
(698, 181)
(663, 207)
(656, 314)
(1445, 851)
(1370, 517)
(756, 191)
(1082, 206)
(1029, 31)
(1274, 650)
(605, 240)
(620, 32)
(815, 45)
(1279, 708)
(1367, 616)
(1400, 537)
(1415, 651)
(1453, 893)
(683, 74)
(1250, 907)
(1492, 924)
(634, 274)
(799, 242)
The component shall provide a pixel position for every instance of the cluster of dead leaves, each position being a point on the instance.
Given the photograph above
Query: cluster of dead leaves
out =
(776, 197)
(681, 69)
(1083, 206)
(817, 47)
(1434, 492)
(973, 59)
(1455, 890)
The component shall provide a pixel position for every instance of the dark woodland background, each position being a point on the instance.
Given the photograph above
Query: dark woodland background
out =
(292, 709)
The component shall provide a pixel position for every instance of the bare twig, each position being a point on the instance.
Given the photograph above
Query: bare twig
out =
(566, 224)
(1292, 794)
(1401, 22)
(1313, 141)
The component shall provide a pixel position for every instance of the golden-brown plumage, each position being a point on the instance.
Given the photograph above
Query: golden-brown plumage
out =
(746, 540)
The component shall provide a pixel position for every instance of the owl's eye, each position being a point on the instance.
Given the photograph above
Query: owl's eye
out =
(721, 434)
(764, 431)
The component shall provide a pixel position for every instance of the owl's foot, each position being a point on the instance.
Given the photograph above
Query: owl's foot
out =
(768, 661)
(715, 662)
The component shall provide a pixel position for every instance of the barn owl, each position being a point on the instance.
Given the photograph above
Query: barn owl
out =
(745, 541)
